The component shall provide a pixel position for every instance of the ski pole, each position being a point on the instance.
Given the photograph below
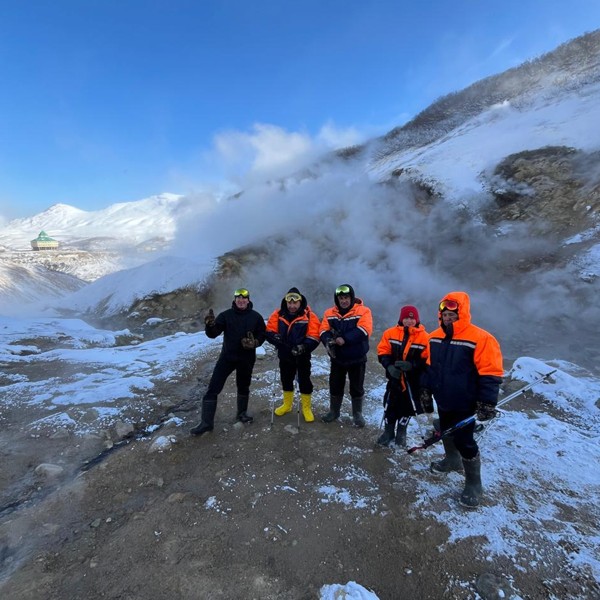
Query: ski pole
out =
(525, 388)
(437, 437)
(412, 401)
(510, 397)
(386, 396)
(297, 386)
(273, 386)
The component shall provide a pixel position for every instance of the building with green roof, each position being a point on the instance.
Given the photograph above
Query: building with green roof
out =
(44, 242)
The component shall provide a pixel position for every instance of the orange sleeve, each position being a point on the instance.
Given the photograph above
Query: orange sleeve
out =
(384, 346)
(423, 338)
(312, 331)
(273, 322)
(325, 323)
(488, 356)
(366, 321)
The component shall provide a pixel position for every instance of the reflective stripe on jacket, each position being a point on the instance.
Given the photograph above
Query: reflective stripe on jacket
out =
(355, 327)
(302, 329)
(405, 343)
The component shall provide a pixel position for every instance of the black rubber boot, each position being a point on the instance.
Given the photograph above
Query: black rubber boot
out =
(359, 420)
(207, 423)
(401, 434)
(242, 407)
(451, 462)
(335, 405)
(387, 436)
(473, 489)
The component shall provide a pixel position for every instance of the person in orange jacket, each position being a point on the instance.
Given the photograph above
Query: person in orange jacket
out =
(464, 374)
(345, 331)
(294, 330)
(402, 351)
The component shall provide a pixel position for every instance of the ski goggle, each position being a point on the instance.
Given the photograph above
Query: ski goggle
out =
(448, 305)
(293, 297)
(342, 289)
(243, 292)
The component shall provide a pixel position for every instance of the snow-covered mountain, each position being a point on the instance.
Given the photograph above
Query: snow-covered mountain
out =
(122, 225)
(92, 244)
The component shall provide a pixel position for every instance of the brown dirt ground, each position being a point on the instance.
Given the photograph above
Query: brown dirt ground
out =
(239, 513)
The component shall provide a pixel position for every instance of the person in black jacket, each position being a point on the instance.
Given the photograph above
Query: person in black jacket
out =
(243, 331)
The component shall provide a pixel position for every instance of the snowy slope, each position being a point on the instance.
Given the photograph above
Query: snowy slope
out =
(453, 164)
(118, 291)
(24, 284)
(122, 224)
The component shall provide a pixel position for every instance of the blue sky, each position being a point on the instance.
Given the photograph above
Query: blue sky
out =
(105, 101)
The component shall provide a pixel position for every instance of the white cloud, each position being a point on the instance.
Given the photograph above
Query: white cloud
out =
(266, 150)
(332, 137)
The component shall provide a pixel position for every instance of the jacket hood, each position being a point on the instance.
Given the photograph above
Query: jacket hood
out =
(464, 309)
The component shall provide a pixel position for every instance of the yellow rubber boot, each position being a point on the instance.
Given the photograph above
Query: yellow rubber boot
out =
(286, 407)
(306, 410)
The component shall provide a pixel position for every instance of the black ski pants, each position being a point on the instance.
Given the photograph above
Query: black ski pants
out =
(463, 438)
(356, 377)
(288, 370)
(224, 368)
(397, 402)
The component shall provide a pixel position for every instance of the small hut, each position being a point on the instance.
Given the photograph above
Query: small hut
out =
(44, 242)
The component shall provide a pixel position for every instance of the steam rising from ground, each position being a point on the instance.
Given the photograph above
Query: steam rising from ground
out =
(341, 227)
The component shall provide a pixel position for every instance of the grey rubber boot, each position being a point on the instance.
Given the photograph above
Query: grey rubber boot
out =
(401, 434)
(357, 403)
(207, 423)
(473, 489)
(451, 462)
(387, 436)
(242, 408)
(335, 405)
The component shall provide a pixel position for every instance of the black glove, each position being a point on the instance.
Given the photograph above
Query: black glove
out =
(403, 365)
(276, 340)
(248, 342)
(426, 400)
(485, 411)
(299, 349)
(209, 319)
(393, 371)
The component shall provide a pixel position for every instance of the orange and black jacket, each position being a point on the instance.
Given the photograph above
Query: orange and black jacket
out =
(464, 364)
(285, 330)
(354, 326)
(405, 343)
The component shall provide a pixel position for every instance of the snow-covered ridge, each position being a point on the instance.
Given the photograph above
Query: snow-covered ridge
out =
(128, 223)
